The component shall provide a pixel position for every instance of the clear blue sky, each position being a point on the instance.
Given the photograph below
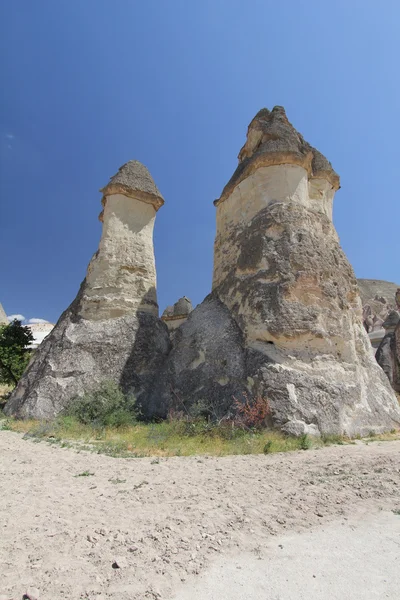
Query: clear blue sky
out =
(89, 84)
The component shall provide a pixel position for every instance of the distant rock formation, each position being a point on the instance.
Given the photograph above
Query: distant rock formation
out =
(3, 316)
(388, 353)
(39, 331)
(377, 299)
(111, 330)
(283, 320)
(174, 316)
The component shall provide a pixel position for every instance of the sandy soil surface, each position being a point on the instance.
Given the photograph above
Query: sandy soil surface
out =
(358, 559)
(166, 522)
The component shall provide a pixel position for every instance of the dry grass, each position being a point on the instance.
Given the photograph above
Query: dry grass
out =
(175, 438)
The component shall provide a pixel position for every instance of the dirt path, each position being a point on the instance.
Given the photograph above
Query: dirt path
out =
(164, 521)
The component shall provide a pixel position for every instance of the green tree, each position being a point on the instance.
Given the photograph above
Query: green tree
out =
(14, 351)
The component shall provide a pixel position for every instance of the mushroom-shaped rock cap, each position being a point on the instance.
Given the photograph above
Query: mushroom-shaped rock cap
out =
(180, 309)
(134, 180)
(272, 140)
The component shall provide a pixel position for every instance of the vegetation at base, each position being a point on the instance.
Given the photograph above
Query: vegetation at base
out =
(14, 351)
(106, 406)
(107, 422)
(170, 438)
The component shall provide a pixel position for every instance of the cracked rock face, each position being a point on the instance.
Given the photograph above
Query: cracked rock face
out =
(280, 270)
(206, 366)
(111, 330)
(284, 319)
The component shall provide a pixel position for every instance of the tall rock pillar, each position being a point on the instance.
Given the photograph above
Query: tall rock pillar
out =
(111, 331)
(280, 270)
(121, 277)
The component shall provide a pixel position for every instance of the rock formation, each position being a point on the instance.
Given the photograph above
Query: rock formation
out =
(174, 316)
(111, 330)
(388, 353)
(283, 320)
(3, 316)
(284, 317)
(377, 299)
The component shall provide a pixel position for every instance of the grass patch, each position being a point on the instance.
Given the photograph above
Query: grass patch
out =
(167, 438)
(171, 438)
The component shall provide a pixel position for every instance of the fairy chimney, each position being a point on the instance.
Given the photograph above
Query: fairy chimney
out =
(280, 270)
(111, 331)
(121, 277)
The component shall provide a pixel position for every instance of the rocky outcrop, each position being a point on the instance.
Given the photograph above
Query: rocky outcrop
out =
(378, 300)
(3, 316)
(279, 269)
(206, 366)
(388, 353)
(111, 330)
(283, 321)
(174, 316)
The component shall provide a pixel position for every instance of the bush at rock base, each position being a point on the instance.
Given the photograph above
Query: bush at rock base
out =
(106, 406)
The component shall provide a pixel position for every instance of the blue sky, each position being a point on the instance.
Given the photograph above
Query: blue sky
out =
(90, 84)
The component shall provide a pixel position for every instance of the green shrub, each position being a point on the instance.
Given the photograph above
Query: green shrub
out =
(305, 442)
(268, 447)
(106, 406)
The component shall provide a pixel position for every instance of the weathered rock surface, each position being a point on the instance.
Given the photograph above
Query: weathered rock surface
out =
(388, 353)
(283, 321)
(111, 330)
(206, 365)
(378, 299)
(279, 269)
(174, 316)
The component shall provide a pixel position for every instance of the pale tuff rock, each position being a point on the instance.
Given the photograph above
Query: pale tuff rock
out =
(121, 277)
(3, 316)
(272, 140)
(111, 330)
(283, 321)
(279, 269)
(174, 316)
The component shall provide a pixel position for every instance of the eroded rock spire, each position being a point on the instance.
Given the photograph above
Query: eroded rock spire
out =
(111, 331)
(280, 270)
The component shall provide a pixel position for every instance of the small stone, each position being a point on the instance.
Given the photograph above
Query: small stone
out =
(32, 594)
(319, 514)
(119, 563)
(133, 549)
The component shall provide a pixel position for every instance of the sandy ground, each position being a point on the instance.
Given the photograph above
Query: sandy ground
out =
(178, 527)
(358, 559)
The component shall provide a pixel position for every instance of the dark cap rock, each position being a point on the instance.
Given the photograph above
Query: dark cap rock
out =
(272, 140)
(180, 309)
(133, 180)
